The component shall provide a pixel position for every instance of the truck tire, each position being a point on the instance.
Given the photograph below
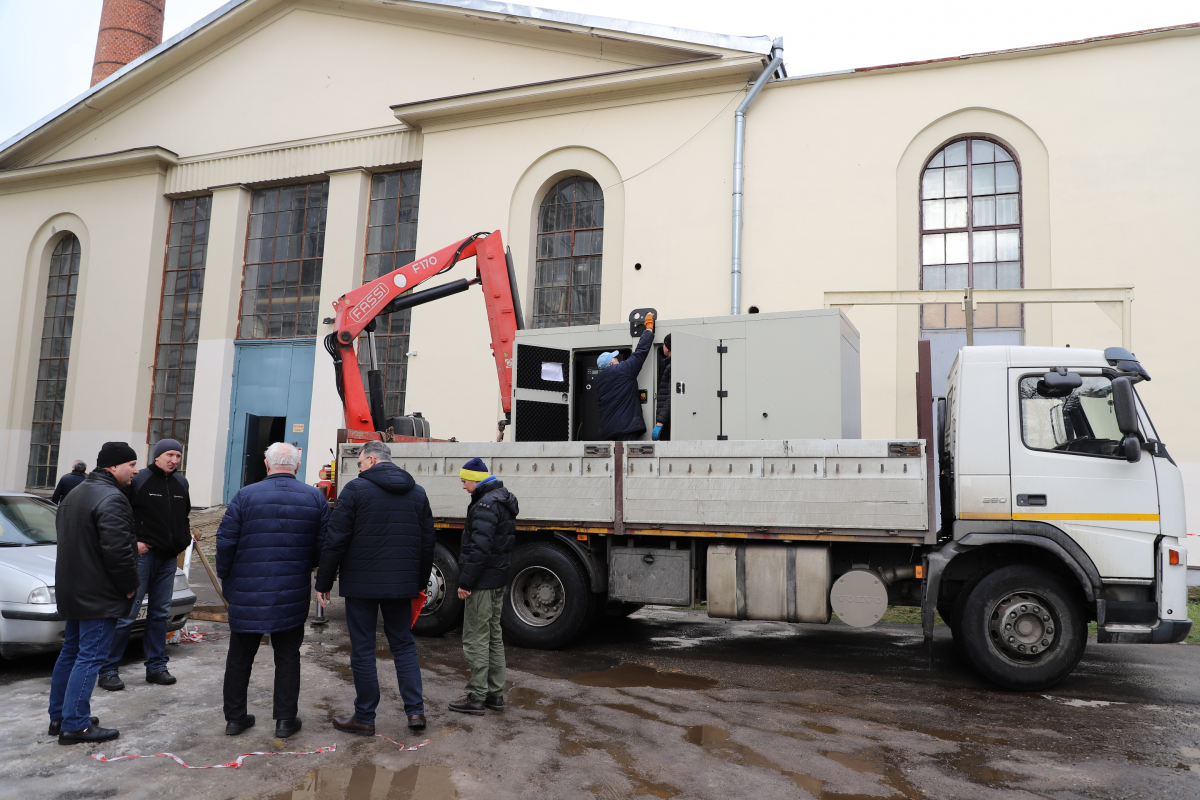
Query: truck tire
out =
(548, 602)
(443, 610)
(1022, 628)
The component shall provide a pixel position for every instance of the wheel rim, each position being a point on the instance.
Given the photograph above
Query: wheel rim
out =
(435, 591)
(537, 596)
(1023, 626)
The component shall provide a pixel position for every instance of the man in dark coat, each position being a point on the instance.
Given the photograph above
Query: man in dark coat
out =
(662, 401)
(69, 481)
(381, 542)
(484, 558)
(95, 576)
(267, 545)
(161, 505)
(617, 390)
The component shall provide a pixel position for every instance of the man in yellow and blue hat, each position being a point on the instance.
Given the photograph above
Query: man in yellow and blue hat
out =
(484, 558)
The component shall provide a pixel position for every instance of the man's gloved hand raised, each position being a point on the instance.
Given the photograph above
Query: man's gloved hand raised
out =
(649, 323)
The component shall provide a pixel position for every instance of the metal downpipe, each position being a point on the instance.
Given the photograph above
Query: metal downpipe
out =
(739, 152)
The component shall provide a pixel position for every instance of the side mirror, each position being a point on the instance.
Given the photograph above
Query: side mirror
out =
(1126, 412)
(1059, 384)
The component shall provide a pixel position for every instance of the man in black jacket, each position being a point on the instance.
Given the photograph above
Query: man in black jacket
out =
(69, 481)
(95, 576)
(380, 547)
(617, 390)
(484, 557)
(662, 401)
(161, 505)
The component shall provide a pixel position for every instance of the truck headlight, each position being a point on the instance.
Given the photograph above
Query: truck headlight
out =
(42, 595)
(181, 582)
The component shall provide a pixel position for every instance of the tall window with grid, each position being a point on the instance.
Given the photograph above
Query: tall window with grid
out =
(566, 289)
(284, 246)
(51, 388)
(971, 231)
(391, 243)
(179, 322)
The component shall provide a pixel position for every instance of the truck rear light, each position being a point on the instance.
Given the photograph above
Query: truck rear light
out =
(1173, 557)
(920, 572)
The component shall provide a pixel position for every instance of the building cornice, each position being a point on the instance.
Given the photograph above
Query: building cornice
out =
(135, 161)
(554, 96)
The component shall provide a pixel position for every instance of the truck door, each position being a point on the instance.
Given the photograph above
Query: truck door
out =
(696, 375)
(1068, 470)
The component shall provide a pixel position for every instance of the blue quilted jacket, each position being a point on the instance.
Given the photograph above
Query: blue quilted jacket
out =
(381, 538)
(267, 545)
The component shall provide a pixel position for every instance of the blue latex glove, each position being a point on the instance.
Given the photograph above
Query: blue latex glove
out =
(657, 431)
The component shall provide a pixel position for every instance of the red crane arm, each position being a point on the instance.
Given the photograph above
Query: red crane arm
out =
(358, 308)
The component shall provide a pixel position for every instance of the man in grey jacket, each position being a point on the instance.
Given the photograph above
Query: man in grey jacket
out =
(95, 575)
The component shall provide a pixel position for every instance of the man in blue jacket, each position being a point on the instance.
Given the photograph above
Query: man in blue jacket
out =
(380, 547)
(267, 545)
(617, 390)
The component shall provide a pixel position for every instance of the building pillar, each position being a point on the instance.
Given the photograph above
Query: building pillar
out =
(341, 271)
(208, 439)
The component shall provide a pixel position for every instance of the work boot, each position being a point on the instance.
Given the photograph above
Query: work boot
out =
(56, 725)
(494, 701)
(351, 725)
(234, 728)
(162, 678)
(416, 722)
(287, 727)
(89, 735)
(467, 705)
(111, 682)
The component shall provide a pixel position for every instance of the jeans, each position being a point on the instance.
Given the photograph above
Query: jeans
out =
(483, 643)
(156, 577)
(361, 616)
(86, 644)
(240, 660)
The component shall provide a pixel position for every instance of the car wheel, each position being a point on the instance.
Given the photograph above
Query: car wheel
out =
(443, 610)
(548, 601)
(1022, 628)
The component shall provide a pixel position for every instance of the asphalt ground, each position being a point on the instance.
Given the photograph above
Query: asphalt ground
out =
(667, 703)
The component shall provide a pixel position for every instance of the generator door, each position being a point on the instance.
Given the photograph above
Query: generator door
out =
(696, 379)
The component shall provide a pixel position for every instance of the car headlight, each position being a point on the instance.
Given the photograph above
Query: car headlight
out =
(181, 582)
(42, 595)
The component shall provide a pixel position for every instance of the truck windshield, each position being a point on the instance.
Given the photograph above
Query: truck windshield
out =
(1082, 422)
(25, 521)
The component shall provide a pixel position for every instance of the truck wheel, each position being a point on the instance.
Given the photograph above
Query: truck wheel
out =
(443, 610)
(548, 601)
(1022, 628)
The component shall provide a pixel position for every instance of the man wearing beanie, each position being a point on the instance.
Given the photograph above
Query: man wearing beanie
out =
(617, 390)
(484, 557)
(161, 505)
(95, 573)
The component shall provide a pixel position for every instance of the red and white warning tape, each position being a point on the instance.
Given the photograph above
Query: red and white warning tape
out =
(238, 761)
(228, 765)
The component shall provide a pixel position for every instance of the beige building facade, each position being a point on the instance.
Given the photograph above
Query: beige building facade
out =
(368, 132)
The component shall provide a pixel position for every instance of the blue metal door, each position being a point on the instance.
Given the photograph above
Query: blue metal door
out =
(271, 379)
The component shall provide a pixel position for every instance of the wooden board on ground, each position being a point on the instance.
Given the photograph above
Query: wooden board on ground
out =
(210, 613)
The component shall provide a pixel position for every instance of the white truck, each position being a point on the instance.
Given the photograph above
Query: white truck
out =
(1037, 497)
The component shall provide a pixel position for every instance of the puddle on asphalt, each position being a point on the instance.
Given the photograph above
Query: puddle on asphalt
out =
(624, 676)
(819, 728)
(369, 782)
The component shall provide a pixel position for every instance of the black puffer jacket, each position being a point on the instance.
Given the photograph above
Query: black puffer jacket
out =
(96, 565)
(161, 505)
(617, 393)
(485, 553)
(380, 537)
(662, 403)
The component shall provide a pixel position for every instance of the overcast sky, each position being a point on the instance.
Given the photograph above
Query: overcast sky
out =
(48, 47)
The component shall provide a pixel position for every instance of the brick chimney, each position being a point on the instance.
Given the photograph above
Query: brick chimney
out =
(128, 28)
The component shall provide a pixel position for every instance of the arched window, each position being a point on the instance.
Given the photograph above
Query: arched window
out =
(971, 231)
(51, 389)
(566, 289)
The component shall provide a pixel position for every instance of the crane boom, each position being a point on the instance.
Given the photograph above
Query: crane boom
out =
(357, 310)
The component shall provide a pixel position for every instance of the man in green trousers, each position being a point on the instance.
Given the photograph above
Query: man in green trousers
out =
(484, 558)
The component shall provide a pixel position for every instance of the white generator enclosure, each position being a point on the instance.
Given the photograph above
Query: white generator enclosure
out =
(737, 377)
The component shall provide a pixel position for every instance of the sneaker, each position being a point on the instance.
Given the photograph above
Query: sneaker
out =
(162, 678)
(466, 705)
(111, 682)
